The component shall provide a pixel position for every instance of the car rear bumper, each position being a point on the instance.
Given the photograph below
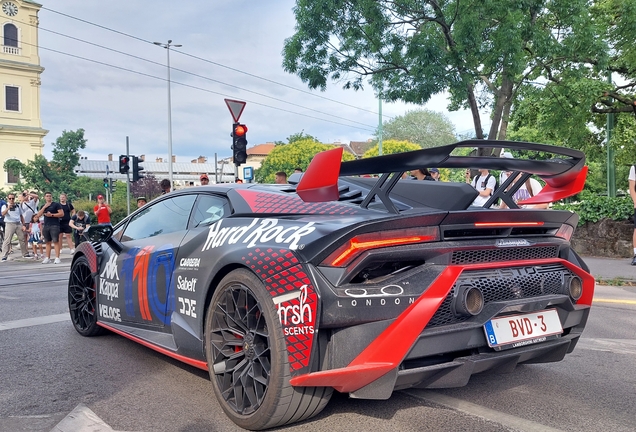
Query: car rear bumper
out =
(405, 353)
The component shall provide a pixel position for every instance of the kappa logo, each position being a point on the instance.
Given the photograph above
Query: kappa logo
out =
(259, 231)
(110, 269)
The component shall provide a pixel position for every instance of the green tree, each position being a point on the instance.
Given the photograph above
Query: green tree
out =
(301, 136)
(480, 51)
(58, 174)
(421, 126)
(570, 107)
(286, 158)
(391, 147)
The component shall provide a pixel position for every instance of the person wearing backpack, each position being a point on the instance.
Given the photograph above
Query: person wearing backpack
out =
(484, 183)
(632, 193)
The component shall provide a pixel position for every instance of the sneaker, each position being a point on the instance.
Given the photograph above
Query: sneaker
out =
(72, 251)
(634, 261)
(57, 261)
(5, 258)
(46, 260)
(28, 256)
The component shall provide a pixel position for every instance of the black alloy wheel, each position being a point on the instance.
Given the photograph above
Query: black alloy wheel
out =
(248, 358)
(82, 299)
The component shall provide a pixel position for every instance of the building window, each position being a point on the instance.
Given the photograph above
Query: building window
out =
(10, 35)
(12, 98)
(12, 176)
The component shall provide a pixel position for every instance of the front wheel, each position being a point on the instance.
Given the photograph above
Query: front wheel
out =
(247, 358)
(82, 299)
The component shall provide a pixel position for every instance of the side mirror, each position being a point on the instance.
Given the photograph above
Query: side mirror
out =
(99, 233)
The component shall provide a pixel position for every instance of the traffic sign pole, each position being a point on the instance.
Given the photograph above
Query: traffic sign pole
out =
(128, 178)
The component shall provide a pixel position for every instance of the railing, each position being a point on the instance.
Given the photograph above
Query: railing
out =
(10, 50)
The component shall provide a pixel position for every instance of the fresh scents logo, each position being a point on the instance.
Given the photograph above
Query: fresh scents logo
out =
(293, 313)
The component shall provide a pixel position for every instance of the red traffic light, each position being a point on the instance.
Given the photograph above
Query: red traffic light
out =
(240, 130)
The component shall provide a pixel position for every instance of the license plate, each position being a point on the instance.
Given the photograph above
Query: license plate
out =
(518, 330)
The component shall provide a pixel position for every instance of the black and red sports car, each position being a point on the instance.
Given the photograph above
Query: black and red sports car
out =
(343, 280)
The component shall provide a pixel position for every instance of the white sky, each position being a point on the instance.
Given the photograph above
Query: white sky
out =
(110, 103)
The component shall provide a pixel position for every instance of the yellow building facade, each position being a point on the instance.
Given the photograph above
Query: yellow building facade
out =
(21, 133)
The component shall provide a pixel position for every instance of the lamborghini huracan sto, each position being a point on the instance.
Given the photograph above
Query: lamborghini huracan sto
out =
(350, 278)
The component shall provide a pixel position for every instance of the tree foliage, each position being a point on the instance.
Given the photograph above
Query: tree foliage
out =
(147, 187)
(480, 51)
(423, 127)
(391, 147)
(288, 157)
(57, 175)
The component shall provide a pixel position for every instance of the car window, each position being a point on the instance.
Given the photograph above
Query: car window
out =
(164, 217)
(209, 209)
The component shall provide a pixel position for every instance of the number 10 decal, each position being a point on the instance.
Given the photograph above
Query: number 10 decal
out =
(149, 271)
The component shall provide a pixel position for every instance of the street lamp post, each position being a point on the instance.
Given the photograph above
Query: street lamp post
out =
(167, 47)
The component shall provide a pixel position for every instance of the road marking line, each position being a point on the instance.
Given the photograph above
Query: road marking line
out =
(602, 300)
(82, 419)
(513, 422)
(28, 322)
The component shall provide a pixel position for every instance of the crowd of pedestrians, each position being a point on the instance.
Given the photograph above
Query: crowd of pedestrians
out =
(40, 228)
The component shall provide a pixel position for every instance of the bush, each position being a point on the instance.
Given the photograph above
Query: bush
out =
(592, 208)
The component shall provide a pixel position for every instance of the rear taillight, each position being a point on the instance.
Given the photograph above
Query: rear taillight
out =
(342, 256)
(565, 232)
(507, 224)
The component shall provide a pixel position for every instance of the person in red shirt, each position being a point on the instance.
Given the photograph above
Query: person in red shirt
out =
(102, 210)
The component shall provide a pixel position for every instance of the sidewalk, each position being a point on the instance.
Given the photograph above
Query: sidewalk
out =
(608, 269)
(16, 256)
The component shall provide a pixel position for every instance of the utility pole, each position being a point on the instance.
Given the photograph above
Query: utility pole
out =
(611, 168)
(108, 188)
(167, 47)
(380, 124)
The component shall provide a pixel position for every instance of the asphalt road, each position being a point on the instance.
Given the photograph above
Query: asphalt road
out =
(48, 371)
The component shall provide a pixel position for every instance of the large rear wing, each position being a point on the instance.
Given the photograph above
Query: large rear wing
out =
(564, 174)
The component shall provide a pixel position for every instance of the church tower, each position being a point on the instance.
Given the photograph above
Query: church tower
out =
(21, 133)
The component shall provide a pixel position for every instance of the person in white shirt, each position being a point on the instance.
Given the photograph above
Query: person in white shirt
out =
(632, 193)
(29, 202)
(14, 224)
(484, 183)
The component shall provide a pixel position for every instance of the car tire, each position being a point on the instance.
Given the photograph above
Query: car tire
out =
(82, 299)
(248, 358)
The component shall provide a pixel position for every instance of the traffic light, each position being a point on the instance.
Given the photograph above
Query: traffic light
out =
(136, 168)
(124, 164)
(107, 183)
(113, 185)
(239, 144)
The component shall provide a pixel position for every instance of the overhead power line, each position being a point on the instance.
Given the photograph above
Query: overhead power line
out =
(195, 87)
(196, 75)
(216, 64)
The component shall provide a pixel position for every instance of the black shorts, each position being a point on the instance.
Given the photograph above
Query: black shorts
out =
(51, 233)
(65, 228)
